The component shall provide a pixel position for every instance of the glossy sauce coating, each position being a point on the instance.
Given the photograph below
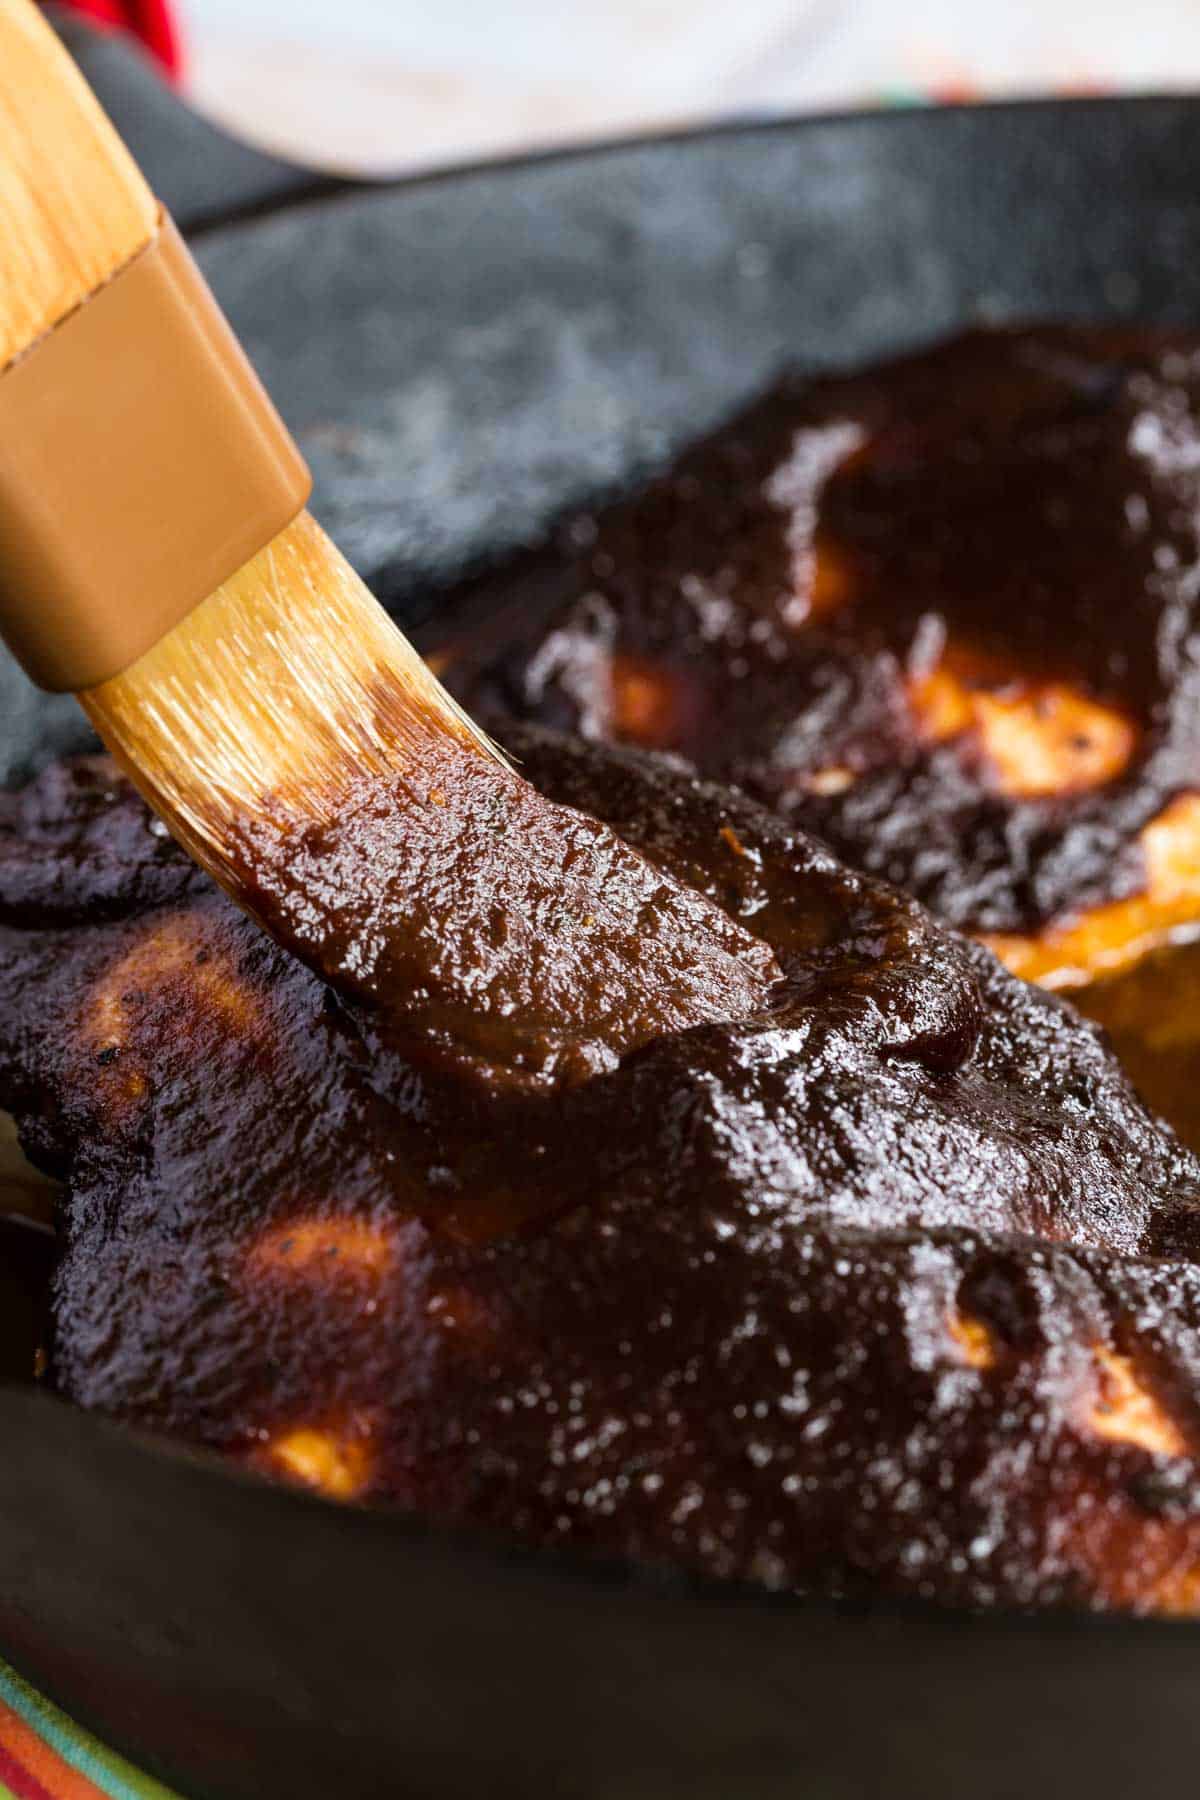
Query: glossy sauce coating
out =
(888, 1283)
(476, 923)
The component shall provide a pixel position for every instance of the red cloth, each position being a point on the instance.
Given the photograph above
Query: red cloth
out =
(150, 20)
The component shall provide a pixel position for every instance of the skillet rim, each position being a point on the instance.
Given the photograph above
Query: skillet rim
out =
(329, 190)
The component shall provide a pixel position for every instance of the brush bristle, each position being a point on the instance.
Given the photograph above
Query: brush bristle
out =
(279, 693)
(307, 758)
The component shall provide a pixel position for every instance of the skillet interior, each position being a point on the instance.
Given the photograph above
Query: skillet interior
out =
(507, 342)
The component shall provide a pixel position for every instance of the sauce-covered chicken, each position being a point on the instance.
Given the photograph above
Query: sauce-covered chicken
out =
(883, 1279)
(943, 613)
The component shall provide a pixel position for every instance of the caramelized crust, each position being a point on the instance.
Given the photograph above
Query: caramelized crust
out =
(888, 1283)
(941, 613)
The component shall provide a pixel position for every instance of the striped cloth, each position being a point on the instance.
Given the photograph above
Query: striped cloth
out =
(44, 1756)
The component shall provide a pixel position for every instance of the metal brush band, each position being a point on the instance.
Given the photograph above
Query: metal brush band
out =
(142, 464)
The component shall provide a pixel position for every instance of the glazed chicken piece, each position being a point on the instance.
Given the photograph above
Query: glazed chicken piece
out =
(942, 613)
(888, 1283)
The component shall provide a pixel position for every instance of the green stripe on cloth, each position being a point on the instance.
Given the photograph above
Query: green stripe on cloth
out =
(110, 1772)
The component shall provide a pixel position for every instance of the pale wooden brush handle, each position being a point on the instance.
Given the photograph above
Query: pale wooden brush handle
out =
(73, 206)
(265, 682)
(141, 461)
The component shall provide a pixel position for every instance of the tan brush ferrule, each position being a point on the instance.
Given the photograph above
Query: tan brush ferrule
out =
(142, 463)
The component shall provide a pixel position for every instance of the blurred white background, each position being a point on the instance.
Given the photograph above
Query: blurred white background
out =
(384, 85)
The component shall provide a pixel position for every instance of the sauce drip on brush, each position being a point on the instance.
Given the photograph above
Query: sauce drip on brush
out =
(389, 845)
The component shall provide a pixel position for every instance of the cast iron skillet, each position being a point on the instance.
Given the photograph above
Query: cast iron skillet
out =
(462, 358)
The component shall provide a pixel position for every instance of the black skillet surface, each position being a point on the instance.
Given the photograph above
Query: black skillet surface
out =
(463, 358)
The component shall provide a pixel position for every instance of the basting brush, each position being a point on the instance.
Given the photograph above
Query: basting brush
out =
(156, 559)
